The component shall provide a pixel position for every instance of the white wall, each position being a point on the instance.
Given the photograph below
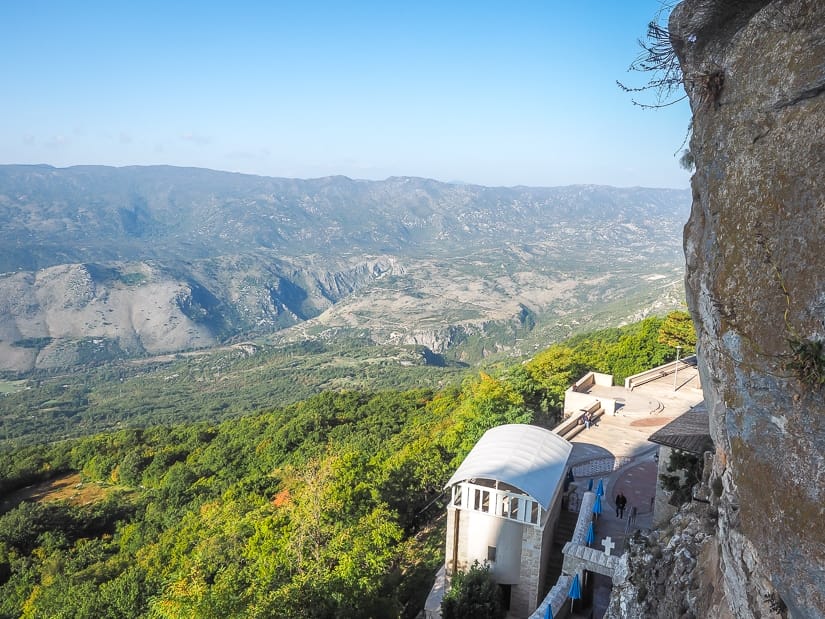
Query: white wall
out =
(477, 531)
(603, 380)
(574, 401)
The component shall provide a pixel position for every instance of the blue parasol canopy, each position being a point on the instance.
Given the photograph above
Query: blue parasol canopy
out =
(590, 485)
(591, 534)
(597, 506)
(549, 613)
(575, 588)
(600, 489)
(575, 591)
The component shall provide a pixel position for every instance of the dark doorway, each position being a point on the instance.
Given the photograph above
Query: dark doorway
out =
(505, 595)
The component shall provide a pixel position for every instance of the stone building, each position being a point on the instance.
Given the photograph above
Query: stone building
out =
(689, 433)
(505, 499)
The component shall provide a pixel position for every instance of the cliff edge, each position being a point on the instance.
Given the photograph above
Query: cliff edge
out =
(754, 72)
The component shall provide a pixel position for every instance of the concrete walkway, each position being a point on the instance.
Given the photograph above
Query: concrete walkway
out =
(616, 451)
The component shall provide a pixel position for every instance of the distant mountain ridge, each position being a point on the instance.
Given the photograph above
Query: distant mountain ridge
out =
(159, 259)
(97, 213)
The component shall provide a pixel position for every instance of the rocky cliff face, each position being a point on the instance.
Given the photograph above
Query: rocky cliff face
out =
(755, 75)
(74, 314)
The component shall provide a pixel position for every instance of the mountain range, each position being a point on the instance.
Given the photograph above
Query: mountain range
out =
(102, 263)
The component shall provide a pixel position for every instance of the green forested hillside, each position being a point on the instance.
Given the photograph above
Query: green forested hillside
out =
(328, 507)
(216, 385)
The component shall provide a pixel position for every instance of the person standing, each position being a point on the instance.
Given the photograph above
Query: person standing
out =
(621, 503)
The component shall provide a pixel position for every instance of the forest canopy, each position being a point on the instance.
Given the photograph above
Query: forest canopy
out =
(329, 507)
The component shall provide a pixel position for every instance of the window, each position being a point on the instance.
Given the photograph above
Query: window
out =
(491, 554)
(458, 491)
(534, 512)
(481, 501)
(514, 508)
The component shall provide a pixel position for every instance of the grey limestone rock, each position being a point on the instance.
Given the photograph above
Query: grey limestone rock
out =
(755, 75)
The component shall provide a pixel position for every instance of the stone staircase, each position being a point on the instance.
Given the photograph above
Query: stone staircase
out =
(564, 531)
(570, 427)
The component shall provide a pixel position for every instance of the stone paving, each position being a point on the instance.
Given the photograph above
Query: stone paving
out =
(616, 450)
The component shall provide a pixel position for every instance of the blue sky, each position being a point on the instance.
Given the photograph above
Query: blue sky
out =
(494, 93)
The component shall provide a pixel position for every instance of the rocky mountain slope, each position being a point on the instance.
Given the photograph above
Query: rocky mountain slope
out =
(755, 75)
(102, 262)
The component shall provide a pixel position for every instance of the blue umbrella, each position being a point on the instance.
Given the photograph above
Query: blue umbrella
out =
(575, 591)
(600, 489)
(590, 485)
(591, 534)
(549, 613)
(597, 506)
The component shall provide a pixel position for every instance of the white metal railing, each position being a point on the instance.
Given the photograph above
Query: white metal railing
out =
(497, 502)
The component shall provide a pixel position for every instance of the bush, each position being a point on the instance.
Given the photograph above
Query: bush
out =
(688, 468)
(473, 595)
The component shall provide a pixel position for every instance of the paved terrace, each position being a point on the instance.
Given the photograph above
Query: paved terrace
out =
(617, 451)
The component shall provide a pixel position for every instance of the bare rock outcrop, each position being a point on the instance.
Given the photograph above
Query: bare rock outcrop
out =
(75, 313)
(661, 576)
(755, 76)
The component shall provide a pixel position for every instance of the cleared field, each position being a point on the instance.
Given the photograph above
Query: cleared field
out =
(11, 386)
(68, 488)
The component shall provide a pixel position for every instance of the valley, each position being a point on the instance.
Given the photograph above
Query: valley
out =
(106, 264)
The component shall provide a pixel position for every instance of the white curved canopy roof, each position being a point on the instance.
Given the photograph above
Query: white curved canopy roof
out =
(530, 458)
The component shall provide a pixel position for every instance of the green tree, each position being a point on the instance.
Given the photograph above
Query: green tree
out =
(486, 402)
(677, 330)
(473, 595)
(638, 349)
(551, 372)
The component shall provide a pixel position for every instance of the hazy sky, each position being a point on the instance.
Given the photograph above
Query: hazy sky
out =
(495, 93)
